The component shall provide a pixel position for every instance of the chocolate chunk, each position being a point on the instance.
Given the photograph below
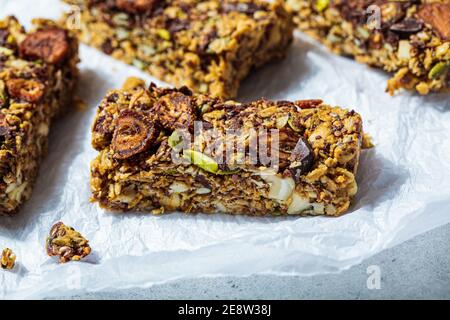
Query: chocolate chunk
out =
(50, 45)
(107, 47)
(407, 27)
(302, 158)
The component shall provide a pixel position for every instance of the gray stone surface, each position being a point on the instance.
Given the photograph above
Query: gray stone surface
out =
(416, 269)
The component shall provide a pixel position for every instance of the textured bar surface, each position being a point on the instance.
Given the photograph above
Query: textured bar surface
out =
(319, 148)
(37, 78)
(207, 45)
(412, 40)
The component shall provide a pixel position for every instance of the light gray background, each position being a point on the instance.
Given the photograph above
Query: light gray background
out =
(416, 269)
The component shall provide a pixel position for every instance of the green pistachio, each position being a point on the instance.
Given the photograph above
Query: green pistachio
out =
(439, 69)
(6, 51)
(282, 121)
(322, 5)
(175, 139)
(163, 33)
(201, 160)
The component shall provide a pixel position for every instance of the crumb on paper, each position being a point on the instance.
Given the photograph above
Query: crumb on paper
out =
(67, 244)
(8, 259)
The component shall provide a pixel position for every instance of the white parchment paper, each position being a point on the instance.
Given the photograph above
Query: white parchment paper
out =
(404, 187)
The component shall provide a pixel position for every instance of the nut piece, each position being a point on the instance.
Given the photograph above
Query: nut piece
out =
(67, 243)
(175, 111)
(50, 45)
(308, 104)
(302, 158)
(26, 90)
(438, 16)
(136, 6)
(134, 134)
(8, 259)
(439, 69)
(201, 160)
(3, 94)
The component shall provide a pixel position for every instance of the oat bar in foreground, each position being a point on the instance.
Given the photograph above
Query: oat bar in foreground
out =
(207, 45)
(38, 74)
(410, 39)
(144, 163)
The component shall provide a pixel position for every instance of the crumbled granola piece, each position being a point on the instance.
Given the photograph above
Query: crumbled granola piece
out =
(27, 90)
(8, 259)
(67, 243)
(175, 111)
(134, 134)
(50, 45)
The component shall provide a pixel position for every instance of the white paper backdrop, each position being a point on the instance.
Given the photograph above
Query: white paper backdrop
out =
(404, 187)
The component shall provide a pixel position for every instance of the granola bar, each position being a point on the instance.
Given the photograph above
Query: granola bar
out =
(37, 78)
(163, 149)
(207, 45)
(66, 243)
(410, 39)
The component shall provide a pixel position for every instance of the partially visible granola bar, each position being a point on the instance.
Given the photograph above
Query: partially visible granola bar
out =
(38, 74)
(8, 259)
(145, 164)
(66, 243)
(207, 45)
(408, 38)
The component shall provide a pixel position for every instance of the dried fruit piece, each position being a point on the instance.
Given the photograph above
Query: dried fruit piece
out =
(50, 45)
(8, 259)
(134, 134)
(438, 16)
(201, 160)
(308, 104)
(175, 111)
(302, 158)
(67, 243)
(136, 6)
(407, 26)
(27, 90)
